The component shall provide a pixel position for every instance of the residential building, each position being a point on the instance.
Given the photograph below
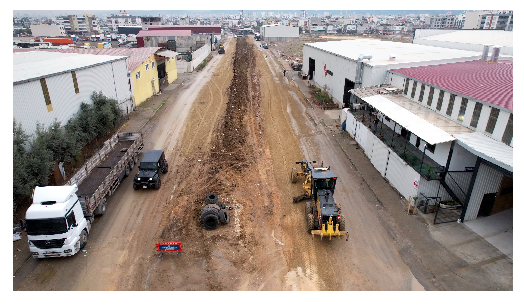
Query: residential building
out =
(441, 22)
(123, 19)
(497, 20)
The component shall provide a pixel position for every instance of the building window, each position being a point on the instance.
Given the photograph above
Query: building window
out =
(406, 86)
(493, 116)
(167, 59)
(462, 111)
(508, 133)
(75, 83)
(440, 100)
(137, 75)
(430, 95)
(450, 104)
(152, 65)
(417, 144)
(413, 89)
(421, 95)
(147, 67)
(430, 148)
(476, 115)
(47, 98)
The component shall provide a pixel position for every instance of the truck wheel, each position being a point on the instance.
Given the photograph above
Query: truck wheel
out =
(294, 175)
(223, 216)
(83, 239)
(221, 205)
(158, 183)
(342, 223)
(135, 158)
(101, 208)
(211, 198)
(309, 208)
(166, 169)
(127, 170)
(131, 163)
(309, 223)
(210, 221)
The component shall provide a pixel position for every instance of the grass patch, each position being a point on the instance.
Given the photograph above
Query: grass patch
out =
(204, 63)
(162, 104)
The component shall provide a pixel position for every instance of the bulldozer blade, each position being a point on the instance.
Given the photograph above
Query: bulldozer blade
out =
(300, 198)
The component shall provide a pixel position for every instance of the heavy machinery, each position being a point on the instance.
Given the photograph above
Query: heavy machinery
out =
(221, 49)
(323, 216)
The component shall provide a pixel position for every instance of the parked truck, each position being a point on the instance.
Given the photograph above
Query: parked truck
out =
(60, 218)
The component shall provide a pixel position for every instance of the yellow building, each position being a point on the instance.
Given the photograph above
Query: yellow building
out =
(153, 74)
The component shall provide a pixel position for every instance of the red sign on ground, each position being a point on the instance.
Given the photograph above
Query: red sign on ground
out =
(169, 247)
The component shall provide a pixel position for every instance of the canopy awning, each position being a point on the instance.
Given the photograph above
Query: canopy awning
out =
(488, 149)
(167, 53)
(416, 125)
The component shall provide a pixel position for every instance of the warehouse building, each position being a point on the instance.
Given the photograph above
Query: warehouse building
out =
(339, 66)
(470, 40)
(150, 70)
(445, 134)
(278, 32)
(49, 86)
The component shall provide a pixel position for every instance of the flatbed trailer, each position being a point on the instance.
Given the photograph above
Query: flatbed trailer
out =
(103, 173)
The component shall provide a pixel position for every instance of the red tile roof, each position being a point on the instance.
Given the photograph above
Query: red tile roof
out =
(162, 33)
(136, 55)
(488, 82)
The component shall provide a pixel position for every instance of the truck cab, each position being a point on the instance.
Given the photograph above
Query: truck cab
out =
(153, 164)
(55, 222)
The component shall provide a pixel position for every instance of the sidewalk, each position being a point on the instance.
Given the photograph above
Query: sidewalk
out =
(479, 253)
(146, 110)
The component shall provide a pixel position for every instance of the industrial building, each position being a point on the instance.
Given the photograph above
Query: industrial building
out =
(278, 32)
(49, 86)
(150, 70)
(470, 40)
(339, 66)
(445, 134)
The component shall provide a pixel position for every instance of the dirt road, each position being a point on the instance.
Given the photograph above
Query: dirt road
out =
(236, 131)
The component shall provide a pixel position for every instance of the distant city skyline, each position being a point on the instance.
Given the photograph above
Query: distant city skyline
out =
(222, 13)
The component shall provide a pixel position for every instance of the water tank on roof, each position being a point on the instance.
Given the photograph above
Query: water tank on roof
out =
(495, 54)
(485, 53)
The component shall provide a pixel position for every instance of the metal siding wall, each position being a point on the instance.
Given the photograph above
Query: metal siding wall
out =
(431, 189)
(379, 156)
(401, 176)
(63, 97)
(488, 181)
(29, 105)
(95, 79)
(122, 85)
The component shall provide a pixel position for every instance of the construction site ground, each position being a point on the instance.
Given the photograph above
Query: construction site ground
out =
(236, 129)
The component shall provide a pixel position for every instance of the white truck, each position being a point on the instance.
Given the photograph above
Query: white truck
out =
(60, 218)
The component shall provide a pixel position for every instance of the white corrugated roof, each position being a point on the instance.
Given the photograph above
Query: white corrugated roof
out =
(381, 51)
(34, 65)
(418, 126)
(167, 53)
(482, 37)
(488, 149)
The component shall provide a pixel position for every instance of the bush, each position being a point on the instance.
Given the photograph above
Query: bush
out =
(33, 162)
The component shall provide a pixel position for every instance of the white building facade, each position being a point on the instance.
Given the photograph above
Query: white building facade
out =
(277, 32)
(49, 86)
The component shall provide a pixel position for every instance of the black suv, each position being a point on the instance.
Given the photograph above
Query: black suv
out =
(153, 164)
